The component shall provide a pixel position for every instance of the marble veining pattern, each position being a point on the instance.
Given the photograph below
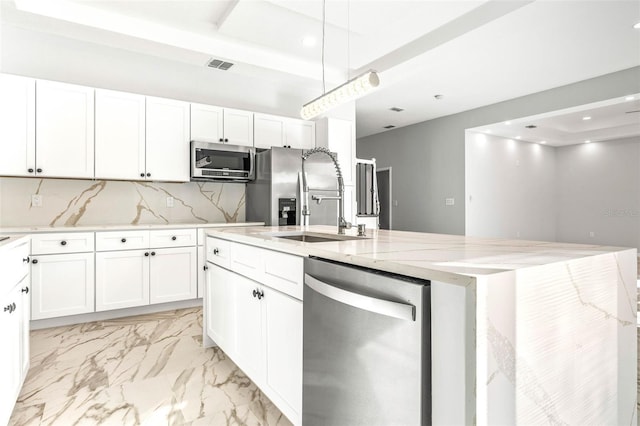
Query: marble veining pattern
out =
(144, 370)
(72, 202)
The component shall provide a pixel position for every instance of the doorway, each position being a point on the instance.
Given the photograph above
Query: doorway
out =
(383, 176)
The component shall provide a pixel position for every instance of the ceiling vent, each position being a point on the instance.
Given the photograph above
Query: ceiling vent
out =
(220, 65)
(390, 126)
(531, 126)
(396, 109)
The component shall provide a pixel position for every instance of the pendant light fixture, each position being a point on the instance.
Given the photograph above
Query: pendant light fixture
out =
(350, 90)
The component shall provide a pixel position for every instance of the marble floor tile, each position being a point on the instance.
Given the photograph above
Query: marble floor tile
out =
(143, 370)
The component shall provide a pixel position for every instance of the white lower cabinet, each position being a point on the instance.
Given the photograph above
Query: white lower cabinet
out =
(127, 278)
(122, 279)
(173, 274)
(257, 326)
(62, 284)
(14, 325)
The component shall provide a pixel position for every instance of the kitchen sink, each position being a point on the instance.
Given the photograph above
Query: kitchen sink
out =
(314, 237)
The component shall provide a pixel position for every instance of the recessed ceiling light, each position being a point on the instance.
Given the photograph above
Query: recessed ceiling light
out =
(508, 123)
(637, 25)
(629, 98)
(309, 41)
(586, 117)
(587, 141)
(518, 137)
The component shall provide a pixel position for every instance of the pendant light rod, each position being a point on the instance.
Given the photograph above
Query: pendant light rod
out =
(350, 90)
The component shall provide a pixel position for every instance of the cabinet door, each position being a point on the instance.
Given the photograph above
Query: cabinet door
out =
(249, 352)
(167, 145)
(283, 328)
(10, 353)
(64, 130)
(120, 146)
(268, 131)
(23, 293)
(206, 123)
(220, 305)
(173, 274)
(238, 127)
(62, 284)
(122, 279)
(300, 134)
(17, 132)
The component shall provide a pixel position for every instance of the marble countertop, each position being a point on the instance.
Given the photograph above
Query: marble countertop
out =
(453, 259)
(89, 228)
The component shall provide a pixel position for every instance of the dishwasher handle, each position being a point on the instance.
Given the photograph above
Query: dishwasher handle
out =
(379, 306)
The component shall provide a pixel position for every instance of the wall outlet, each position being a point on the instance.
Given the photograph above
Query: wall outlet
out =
(36, 200)
(592, 234)
(449, 201)
(170, 201)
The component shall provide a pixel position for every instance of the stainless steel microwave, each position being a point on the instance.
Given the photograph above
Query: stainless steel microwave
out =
(222, 162)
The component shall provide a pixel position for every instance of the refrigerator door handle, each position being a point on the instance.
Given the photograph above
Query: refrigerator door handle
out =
(379, 306)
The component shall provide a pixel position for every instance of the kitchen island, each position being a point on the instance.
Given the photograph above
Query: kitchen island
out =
(523, 332)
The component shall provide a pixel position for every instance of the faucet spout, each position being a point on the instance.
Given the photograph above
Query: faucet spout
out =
(342, 222)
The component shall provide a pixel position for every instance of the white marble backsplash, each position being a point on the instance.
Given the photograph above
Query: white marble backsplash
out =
(68, 202)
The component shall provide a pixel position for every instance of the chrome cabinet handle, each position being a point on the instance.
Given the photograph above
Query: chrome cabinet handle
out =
(174, 238)
(25, 260)
(34, 261)
(63, 243)
(124, 240)
(146, 254)
(216, 251)
(153, 253)
(25, 290)
(360, 301)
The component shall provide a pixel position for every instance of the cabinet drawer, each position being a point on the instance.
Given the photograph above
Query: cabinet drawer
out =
(247, 260)
(122, 240)
(283, 272)
(64, 242)
(218, 251)
(172, 238)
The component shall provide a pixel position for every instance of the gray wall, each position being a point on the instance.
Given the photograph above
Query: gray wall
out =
(510, 188)
(428, 158)
(598, 190)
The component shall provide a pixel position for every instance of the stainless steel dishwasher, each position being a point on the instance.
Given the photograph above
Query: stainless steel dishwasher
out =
(366, 347)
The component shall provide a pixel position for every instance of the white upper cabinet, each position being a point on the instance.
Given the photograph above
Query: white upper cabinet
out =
(64, 130)
(238, 127)
(272, 130)
(206, 123)
(300, 133)
(167, 147)
(17, 131)
(269, 131)
(222, 125)
(120, 135)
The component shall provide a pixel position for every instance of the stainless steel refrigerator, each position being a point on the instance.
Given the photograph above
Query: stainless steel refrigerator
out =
(274, 197)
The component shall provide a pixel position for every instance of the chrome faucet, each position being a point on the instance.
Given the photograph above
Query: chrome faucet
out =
(342, 222)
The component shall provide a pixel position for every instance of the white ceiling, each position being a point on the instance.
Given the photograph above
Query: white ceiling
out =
(597, 122)
(474, 53)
